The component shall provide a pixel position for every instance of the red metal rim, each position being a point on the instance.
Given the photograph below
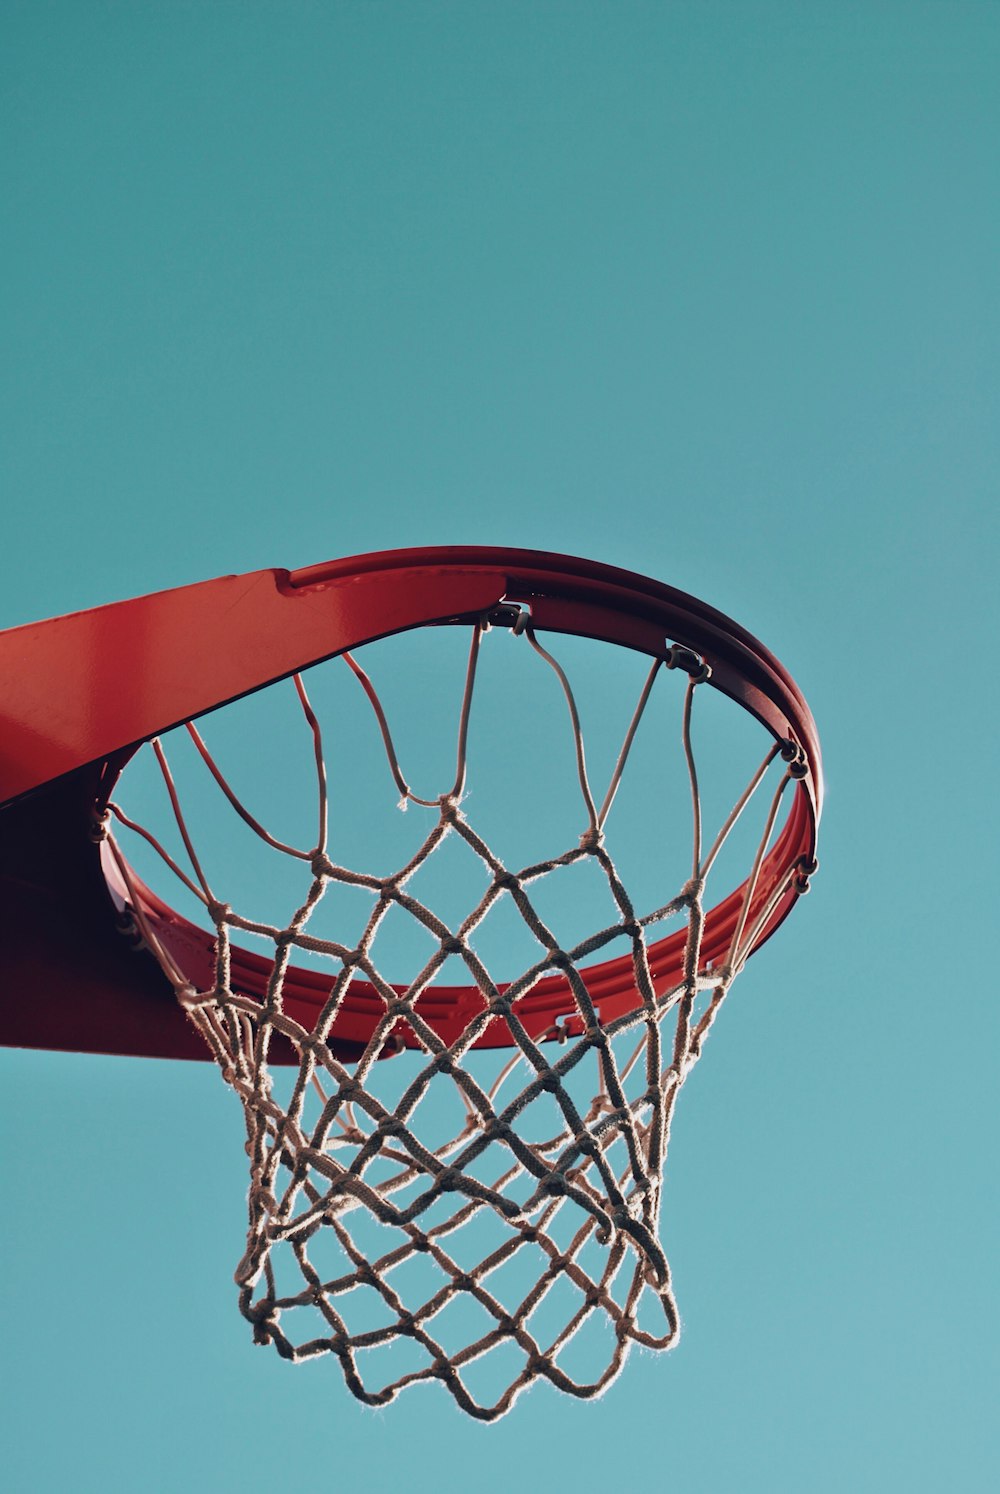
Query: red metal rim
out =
(592, 600)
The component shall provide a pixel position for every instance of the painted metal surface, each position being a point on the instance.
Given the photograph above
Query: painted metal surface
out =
(79, 694)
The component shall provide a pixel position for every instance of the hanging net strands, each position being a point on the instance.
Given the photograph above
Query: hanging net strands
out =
(372, 1239)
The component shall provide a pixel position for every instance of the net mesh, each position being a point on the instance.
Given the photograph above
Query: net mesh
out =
(483, 1232)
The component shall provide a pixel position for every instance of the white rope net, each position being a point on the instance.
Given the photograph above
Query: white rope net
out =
(470, 1231)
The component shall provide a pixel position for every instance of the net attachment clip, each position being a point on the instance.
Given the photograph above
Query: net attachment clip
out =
(679, 656)
(507, 615)
(794, 755)
(572, 1025)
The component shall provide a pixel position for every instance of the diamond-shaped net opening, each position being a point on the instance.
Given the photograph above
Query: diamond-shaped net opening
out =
(485, 1230)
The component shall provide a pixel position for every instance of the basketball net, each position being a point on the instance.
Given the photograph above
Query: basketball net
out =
(347, 1195)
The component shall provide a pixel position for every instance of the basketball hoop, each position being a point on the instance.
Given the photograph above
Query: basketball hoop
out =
(378, 1235)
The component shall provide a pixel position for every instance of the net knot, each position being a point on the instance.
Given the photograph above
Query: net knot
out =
(450, 812)
(262, 1198)
(261, 1312)
(592, 839)
(601, 1105)
(218, 912)
(192, 999)
(321, 866)
(693, 889)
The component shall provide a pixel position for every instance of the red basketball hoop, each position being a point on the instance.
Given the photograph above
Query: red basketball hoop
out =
(82, 693)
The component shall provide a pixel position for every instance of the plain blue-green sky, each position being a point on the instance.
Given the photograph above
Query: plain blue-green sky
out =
(707, 290)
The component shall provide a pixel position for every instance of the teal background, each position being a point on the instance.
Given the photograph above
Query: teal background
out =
(707, 290)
